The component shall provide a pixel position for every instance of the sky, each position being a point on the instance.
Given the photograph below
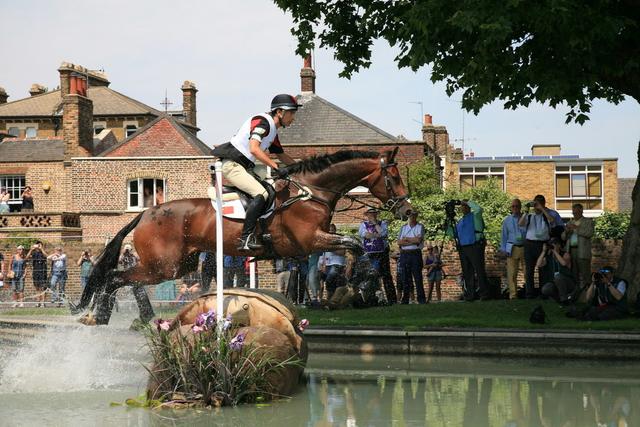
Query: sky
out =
(241, 53)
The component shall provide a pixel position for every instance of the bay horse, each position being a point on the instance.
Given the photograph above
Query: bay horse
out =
(170, 236)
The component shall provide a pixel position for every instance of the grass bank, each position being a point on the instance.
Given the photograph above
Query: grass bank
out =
(480, 314)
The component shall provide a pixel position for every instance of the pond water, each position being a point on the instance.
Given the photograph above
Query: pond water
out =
(69, 377)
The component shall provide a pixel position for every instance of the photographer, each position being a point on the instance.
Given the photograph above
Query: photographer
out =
(38, 258)
(86, 263)
(562, 282)
(128, 258)
(607, 296)
(538, 230)
(470, 231)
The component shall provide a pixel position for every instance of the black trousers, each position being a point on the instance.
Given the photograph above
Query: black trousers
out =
(410, 265)
(472, 260)
(532, 251)
(382, 264)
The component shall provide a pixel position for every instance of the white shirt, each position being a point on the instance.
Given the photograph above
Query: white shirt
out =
(241, 139)
(416, 230)
(331, 258)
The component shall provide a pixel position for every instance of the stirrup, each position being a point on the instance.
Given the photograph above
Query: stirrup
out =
(249, 244)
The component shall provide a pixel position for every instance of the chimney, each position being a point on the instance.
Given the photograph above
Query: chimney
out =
(37, 89)
(189, 102)
(545, 150)
(307, 77)
(95, 78)
(3, 96)
(77, 120)
(428, 120)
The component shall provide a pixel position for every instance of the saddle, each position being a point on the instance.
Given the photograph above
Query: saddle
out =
(235, 201)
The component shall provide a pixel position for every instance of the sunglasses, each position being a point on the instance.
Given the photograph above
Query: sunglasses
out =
(604, 270)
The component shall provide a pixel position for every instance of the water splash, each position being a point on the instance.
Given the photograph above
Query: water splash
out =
(75, 358)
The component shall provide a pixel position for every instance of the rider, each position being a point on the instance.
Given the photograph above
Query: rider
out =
(257, 134)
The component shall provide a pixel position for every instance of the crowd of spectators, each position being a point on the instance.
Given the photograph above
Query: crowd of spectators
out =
(534, 239)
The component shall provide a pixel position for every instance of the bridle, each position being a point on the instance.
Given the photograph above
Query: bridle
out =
(394, 199)
(390, 205)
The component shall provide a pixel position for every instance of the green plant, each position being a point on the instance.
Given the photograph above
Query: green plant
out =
(211, 369)
(18, 239)
(612, 225)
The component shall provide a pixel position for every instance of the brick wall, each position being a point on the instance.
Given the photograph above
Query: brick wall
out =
(35, 175)
(99, 188)
(610, 177)
(527, 179)
(46, 127)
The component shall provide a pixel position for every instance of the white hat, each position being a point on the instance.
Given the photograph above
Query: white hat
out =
(20, 247)
(127, 247)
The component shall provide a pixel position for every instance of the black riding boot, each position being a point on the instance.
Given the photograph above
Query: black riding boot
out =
(248, 240)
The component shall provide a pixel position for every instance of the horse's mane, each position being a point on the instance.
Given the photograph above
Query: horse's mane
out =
(315, 164)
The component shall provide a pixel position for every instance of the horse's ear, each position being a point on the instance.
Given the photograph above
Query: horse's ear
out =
(392, 157)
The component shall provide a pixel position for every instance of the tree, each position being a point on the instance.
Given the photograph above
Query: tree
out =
(552, 51)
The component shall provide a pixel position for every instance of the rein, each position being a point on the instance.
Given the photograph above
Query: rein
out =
(389, 205)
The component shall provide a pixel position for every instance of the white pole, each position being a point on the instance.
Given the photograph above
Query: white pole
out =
(219, 242)
(252, 273)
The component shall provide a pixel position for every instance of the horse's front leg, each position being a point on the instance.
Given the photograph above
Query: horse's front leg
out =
(328, 242)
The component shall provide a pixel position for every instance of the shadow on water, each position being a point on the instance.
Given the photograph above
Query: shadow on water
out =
(69, 376)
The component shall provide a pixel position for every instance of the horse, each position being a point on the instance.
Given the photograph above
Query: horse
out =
(170, 236)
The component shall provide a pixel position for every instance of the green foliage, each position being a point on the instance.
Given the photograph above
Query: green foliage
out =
(612, 225)
(422, 179)
(197, 367)
(17, 239)
(489, 195)
(560, 52)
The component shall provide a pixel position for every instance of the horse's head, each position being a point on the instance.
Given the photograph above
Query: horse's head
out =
(386, 184)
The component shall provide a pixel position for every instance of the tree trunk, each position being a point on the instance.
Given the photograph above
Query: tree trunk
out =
(629, 265)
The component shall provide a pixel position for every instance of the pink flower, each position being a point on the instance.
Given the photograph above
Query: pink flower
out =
(197, 329)
(162, 325)
(304, 324)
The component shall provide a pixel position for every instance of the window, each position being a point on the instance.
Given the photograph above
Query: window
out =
(473, 176)
(14, 131)
(145, 193)
(31, 132)
(15, 186)
(99, 127)
(130, 129)
(579, 184)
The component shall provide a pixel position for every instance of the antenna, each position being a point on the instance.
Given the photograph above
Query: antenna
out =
(165, 102)
(420, 122)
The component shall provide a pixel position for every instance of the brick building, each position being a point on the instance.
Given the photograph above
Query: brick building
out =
(562, 179)
(94, 157)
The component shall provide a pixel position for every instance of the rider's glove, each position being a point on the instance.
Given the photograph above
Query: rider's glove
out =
(280, 172)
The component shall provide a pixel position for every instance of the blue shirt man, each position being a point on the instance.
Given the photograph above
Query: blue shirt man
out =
(470, 230)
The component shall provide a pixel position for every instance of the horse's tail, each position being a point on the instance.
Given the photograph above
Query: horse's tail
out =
(107, 261)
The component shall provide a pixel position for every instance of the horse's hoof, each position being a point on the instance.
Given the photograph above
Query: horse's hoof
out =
(88, 319)
(74, 308)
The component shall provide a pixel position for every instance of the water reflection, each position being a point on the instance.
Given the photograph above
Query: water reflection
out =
(446, 399)
(351, 391)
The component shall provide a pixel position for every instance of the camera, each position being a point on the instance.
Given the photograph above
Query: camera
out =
(529, 204)
(598, 278)
(450, 207)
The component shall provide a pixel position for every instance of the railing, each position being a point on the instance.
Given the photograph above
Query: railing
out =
(33, 220)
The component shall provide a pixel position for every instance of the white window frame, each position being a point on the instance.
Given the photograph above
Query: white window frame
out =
(489, 173)
(587, 212)
(129, 123)
(22, 127)
(102, 125)
(141, 207)
(22, 183)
